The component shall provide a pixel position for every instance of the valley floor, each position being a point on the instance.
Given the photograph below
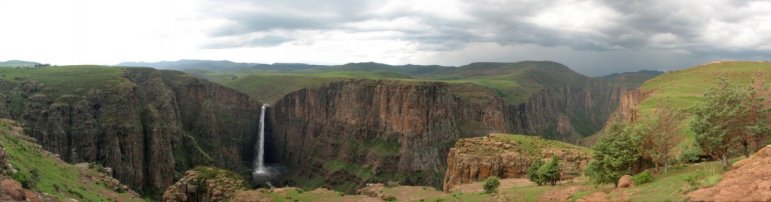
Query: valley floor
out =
(670, 186)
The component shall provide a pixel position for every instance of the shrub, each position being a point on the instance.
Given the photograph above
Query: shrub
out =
(614, 154)
(532, 172)
(491, 184)
(694, 180)
(22, 178)
(550, 172)
(642, 178)
(28, 181)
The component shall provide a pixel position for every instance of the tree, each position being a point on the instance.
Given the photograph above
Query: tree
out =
(550, 172)
(658, 133)
(614, 154)
(755, 120)
(532, 172)
(491, 185)
(717, 121)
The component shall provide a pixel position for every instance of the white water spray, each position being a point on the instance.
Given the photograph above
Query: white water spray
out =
(260, 168)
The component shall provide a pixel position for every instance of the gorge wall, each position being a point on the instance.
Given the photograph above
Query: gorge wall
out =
(352, 132)
(567, 113)
(344, 134)
(148, 125)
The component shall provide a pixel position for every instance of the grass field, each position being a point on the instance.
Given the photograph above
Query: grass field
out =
(68, 79)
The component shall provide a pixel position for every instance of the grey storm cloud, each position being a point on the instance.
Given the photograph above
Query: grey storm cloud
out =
(705, 29)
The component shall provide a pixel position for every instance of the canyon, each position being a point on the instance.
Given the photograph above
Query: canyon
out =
(148, 125)
(402, 131)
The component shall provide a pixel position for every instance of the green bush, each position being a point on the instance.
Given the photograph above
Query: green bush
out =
(694, 180)
(28, 181)
(532, 172)
(642, 178)
(550, 172)
(541, 173)
(491, 184)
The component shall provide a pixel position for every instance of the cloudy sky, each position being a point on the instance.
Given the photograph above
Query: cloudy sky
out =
(594, 37)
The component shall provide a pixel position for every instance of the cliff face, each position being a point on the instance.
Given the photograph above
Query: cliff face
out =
(359, 131)
(566, 113)
(508, 156)
(148, 127)
(627, 109)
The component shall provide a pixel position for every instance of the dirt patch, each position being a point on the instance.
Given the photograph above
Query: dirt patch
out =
(561, 194)
(595, 197)
(748, 180)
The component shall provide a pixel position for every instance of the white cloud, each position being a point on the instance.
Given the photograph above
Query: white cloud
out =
(589, 35)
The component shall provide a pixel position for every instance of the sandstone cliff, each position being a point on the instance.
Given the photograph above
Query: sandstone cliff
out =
(352, 132)
(508, 156)
(146, 124)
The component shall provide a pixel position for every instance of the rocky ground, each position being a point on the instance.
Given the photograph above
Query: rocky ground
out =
(204, 184)
(748, 180)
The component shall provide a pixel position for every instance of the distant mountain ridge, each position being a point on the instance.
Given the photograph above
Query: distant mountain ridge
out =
(631, 79)
(19, 63)
(219, 65)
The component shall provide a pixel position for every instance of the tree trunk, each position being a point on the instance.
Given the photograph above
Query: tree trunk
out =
(746, 149)
(724, 161)
(666, 165)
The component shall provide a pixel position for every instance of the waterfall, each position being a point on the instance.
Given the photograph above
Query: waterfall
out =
(260, 168)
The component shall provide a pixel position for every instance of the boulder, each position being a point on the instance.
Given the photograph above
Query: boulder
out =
(625, 181)
(12, 189)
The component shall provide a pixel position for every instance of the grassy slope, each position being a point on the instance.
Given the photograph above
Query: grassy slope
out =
(57, 178)
(685, 88)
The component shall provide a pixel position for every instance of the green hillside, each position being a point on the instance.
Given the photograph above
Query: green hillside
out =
(514, 82)
(56, 177)
(631, 79)
(18, 63)
(685, 88)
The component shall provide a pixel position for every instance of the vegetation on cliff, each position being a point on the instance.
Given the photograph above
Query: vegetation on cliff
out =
(52, 175)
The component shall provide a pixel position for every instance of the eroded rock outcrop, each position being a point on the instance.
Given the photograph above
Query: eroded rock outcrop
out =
(146, 124)
(204, 184)
(748, 180)
(508, 156)
(360, 131)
